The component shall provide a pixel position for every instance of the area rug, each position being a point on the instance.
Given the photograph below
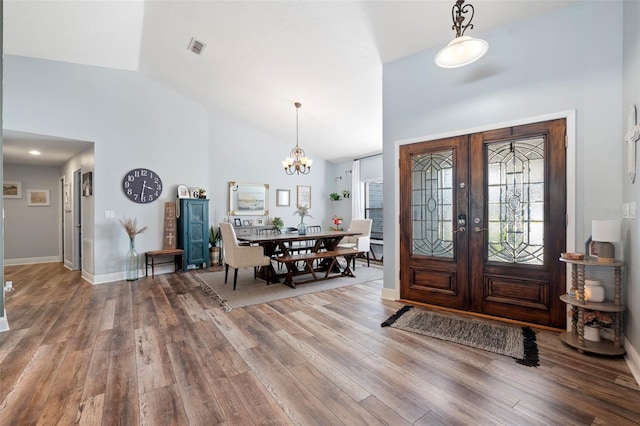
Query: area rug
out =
(514, 341)
(250, 291)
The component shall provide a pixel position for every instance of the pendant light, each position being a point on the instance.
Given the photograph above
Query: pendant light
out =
(297, 161)
(462, 50)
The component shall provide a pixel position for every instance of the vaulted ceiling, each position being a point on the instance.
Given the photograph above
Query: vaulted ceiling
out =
(260, 56)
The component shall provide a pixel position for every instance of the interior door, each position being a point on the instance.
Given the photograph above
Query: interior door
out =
(483, 222)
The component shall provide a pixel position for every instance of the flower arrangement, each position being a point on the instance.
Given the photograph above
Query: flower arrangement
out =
(596, 319)
(131, 227)
(302, 211)
(337, 220)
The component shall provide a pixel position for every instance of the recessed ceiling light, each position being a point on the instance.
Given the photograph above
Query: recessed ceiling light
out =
(34, 152)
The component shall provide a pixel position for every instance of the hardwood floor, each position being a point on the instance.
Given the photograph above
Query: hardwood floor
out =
(160, 352)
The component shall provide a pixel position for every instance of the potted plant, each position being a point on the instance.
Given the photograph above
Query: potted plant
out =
(214, 250)
(334, 196)
(346, 193)
(277, 223)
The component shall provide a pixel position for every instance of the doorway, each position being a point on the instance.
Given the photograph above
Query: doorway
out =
(482, 222)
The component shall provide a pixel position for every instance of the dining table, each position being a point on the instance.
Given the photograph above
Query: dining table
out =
(321, 246)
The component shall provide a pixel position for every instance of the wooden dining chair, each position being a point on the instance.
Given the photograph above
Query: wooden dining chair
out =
(238, 256)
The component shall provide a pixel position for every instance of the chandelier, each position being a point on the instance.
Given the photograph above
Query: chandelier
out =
(463, 49)
(297, 161)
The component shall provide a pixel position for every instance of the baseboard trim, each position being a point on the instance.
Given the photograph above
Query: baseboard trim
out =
(389, 294)
(31, 260)
(633, 360)
(4, 323)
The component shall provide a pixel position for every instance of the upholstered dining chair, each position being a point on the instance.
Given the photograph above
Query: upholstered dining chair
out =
(238, 256)
(359, 242)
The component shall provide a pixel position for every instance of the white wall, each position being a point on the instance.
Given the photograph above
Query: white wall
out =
(243, 154)
(133, 121)
(31, 233)
(631, 192)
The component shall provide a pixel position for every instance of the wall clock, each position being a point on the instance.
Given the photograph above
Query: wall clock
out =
(142, 185)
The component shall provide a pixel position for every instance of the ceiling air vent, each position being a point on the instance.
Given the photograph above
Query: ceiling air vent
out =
(196, 46)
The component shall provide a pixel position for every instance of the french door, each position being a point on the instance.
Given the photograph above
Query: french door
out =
(482, 221)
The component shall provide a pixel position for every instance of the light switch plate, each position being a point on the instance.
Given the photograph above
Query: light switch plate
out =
(625, 210)
(632, 210)
(109, 214)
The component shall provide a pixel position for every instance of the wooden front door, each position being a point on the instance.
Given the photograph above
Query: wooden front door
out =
(483, 222)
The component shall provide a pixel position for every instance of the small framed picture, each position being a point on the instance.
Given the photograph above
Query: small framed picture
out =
(38, 197)
(67, 196)
(259, 222)
(237, 222)
(304, 196)
(183, 191)
(87, 184)
(246, 223)
(194, 191)
(11, 189)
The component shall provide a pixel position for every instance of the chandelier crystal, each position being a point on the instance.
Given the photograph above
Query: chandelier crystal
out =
(463, 49)
(297, 161)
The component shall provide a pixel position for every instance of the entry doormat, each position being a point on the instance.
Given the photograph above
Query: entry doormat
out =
(514, 341)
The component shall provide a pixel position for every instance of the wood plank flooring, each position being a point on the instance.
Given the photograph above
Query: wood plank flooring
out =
(161, 352)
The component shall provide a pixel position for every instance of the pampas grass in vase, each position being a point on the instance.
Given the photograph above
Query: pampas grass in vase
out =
(131, 258)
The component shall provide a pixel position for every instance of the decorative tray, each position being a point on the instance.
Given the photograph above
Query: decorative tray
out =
(572, 256)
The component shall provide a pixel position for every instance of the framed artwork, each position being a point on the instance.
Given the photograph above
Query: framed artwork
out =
(283, 197)
(67, 196)
(248, 199)
(304, 196)
(38, 197)
(11, 189)
(194, 192)
(237, 222)
(87, 184)
(183, 191)
(259, 222)
(246, 223)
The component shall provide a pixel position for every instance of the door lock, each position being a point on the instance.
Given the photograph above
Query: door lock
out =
(462, 223)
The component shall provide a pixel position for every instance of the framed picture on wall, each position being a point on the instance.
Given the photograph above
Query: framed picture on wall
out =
(87, 184)
(237, 222)
(304, 196)
(38, 197)
(67, 196)
(248, 199)
(11, 189)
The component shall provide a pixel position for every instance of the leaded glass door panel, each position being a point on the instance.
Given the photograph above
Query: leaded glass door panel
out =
(518, 222)
(483, 222)
(434, 242)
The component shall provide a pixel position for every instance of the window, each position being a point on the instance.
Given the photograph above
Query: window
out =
(373, 208)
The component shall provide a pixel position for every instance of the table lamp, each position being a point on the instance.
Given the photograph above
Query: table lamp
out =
(605, 232)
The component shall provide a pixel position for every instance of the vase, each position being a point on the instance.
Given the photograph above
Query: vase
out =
(302, 228)
(592, 333)
(131, 261)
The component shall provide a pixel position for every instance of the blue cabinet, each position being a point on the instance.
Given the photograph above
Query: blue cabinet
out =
(193, 232)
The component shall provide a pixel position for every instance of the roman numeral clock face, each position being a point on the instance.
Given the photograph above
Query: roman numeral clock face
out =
(142, 186)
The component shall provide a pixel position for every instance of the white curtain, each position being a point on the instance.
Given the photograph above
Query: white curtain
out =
(357, 206)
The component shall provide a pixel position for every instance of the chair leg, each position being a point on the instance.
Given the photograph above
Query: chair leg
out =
(368, 260)
(235, 277)
(226, 272)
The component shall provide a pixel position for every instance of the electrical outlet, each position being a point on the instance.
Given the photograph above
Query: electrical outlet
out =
(8, 286)
(632, 210)
(625, 210)
(109, 214)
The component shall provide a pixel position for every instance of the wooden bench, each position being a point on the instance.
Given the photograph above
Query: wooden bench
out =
(328, 265)
(177, 254)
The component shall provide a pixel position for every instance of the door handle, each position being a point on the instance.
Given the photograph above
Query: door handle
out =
(478, 229)
(461, 229)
